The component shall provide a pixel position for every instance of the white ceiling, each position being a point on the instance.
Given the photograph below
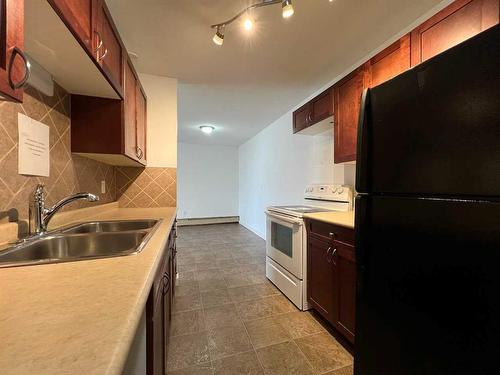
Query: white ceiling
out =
(255, 78)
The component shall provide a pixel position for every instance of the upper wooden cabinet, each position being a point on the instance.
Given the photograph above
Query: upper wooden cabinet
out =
(456, 23)
(112, 130)
(316, 110)
(347, 102)
(80, 18)
(392, 61)
(108, 47)
(13, 63)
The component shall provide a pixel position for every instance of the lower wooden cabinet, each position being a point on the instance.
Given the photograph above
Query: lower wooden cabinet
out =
(331, 275)
(159, 312)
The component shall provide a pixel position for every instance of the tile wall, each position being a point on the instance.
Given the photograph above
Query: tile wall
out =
(69, 173)
(146, 187)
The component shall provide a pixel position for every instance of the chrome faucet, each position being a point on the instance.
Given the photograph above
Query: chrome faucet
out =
(39, 216)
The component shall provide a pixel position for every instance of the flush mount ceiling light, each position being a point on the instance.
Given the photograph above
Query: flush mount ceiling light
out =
(207, 129)
(287, 12)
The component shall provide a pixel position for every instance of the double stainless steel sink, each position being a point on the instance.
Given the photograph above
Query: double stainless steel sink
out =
(92, 240)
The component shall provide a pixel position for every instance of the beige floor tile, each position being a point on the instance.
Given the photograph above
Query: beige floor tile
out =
(284, 359)
(324, 352)
(186, 276)
(187, 351)
(187, 322)
(263, 307)
(215, 297)
(186, 288)
(203, 369)
(224, 342)
(348, 370)
(265, 332)
(222, 316)
(185, 303)
(250, 292)
(244, 363)
(299, 324)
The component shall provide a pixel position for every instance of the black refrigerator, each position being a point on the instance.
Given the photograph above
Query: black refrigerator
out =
(428, 217)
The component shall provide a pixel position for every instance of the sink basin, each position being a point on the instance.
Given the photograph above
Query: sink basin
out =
(65, 248)
(111, 226)
(93, 240)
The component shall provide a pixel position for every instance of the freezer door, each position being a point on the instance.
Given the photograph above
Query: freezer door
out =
(435, 129)
(428, 288)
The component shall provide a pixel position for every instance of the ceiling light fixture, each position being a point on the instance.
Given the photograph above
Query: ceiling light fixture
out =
(248, 23)
(288, 10)
(219, 35)
(207, 129)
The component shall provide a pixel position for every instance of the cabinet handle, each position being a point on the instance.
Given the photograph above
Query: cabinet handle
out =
(21, 83)
(100, 58)
(328, 254)
(139, 152)
(332, 255)
(99, 44)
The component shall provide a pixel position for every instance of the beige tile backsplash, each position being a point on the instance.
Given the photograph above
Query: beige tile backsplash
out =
(69, 173)
(146, 187)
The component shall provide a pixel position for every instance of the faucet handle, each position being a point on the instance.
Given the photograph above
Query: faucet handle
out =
(39, 192)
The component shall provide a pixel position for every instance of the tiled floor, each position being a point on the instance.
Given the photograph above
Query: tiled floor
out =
(229, 319)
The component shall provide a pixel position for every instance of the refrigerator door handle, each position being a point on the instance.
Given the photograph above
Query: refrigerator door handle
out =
(362, 146)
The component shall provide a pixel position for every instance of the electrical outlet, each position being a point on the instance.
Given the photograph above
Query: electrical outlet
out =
(103, 187)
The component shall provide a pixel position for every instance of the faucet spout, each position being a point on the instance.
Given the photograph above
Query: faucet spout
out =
(41, 216)
(50, 212)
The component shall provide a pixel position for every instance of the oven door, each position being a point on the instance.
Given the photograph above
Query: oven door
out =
(284, 241)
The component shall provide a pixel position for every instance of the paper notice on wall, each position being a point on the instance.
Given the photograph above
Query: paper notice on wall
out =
(33, 147)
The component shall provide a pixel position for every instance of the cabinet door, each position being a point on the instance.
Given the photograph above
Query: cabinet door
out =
(321, 280)
(302, 118)
(345, 264)
(347, 102)
(322, 106)
(158, 334)
(78, 16)
(456, 23)
(108, 47)
(13, 64)
(141, 125)
(392, 61)
(167, 294)
(130, 104)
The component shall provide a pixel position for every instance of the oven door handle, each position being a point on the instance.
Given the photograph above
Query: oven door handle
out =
(284, 218)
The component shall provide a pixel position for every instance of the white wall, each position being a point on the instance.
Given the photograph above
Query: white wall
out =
(275, 166)
(207, 181)
(162, 120)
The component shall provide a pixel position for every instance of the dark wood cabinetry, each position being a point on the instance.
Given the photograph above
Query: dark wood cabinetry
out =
(13, 63)
(80, 18)
(347, 102)
(108, 50)
(316, 110)
(158, 312)
(331, 274)
(392, 61)
(112, 130)
(456, 23)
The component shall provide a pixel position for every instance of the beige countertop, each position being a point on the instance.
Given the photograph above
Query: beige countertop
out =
(344, 219)
(78, 317)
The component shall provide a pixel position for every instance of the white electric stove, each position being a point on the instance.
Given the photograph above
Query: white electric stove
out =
(286, 238)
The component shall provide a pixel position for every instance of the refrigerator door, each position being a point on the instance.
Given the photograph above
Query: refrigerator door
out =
(435, 129)
(428, 292)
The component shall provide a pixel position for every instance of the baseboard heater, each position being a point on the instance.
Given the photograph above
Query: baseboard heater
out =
(208, 220)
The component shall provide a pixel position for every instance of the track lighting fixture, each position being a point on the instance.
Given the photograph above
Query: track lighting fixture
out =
(287, 10)
(219, 35)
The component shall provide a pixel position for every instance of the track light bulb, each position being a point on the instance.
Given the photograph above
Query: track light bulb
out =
(219, 36)
(288, 10)
(248, 24)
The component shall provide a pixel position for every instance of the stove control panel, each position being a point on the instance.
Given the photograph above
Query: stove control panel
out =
(338, 193)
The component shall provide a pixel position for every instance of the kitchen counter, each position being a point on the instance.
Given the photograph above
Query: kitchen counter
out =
(344, 219)
(79, 317)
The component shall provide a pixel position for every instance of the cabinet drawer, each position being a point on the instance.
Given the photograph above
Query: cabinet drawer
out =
(328, 232)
